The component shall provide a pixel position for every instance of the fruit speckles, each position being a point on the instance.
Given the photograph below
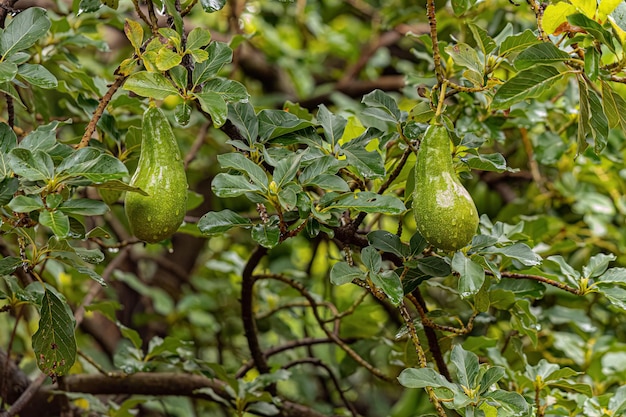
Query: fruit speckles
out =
(444, 211)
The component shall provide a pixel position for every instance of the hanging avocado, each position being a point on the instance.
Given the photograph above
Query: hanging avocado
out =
(161, 174)
(444, 211)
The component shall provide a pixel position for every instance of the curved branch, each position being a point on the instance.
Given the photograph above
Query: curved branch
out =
(247, 310)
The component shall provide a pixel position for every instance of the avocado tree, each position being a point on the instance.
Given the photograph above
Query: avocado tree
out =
(313, 208)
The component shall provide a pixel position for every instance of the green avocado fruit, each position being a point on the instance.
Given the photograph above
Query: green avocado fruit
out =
(445, 213)
(161, 174)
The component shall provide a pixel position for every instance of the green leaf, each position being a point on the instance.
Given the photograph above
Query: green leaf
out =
(487, 162)
(214, 104)
(518, 251)
(220, 54)
(218, 222)
(198, 38)
(91, 274)
(424, 377)
(24, 30)
(597, 265)
(8, 141)
(286, 169)
(421, 113)
(9, 264)
(482, 38)
(490, 377)
(527, 84)
(134, 33)
(92, 164)
(150, 84)
(8, 71)
(242, 164)
(434, 266)
(31, 166)
(275, 123)
(471, 274)
(342, 273)
(593, 28)
(227, 185)
(465, 56)
(8, 187)
(211, 6)
(592, 63)
(614, 107)
(242, 115)
(25, 204)
(329, 183)
(167, 59)
(368, 163)
(384, 101)
(518, 42)
(116, 185)
(461, 6)
(616, 295)
(613, 276)
(89, 6)
(540, 54)
(599, 121)
(467, 366)
(266, 235)
(38, 76)
(333, 125)
(369, 202)
(417, 244)
(92, 256)
(391, 285)
(371, 259)
(387, 242)
(229, 90)
(508, 401)
(84, 207)
(54, 343)
(58, 222)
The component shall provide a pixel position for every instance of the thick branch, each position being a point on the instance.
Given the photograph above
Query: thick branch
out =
(247, 310)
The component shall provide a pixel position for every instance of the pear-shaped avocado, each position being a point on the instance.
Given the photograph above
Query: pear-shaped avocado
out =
(161, 174)
(444, 211)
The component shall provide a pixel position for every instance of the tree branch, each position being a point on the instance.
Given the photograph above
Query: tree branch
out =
(247, 310)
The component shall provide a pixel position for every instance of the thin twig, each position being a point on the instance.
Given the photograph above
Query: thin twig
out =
(332, 335)
(104, 102)
(331, 374)
(539, 278)
(421, 356)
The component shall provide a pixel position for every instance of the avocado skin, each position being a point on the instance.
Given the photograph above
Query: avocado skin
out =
(161, 174)
(445, 213)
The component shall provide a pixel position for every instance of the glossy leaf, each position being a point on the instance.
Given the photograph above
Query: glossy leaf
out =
(218, 222)
(220, 54)
(387, 242)
(527, 84)
(58, 222)
(38, 76)
(213, 104)
(342, 273)
(24, 30)
(370, 202)
(31, 166)
(471, 274)
(150, 84)
(242, 164)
